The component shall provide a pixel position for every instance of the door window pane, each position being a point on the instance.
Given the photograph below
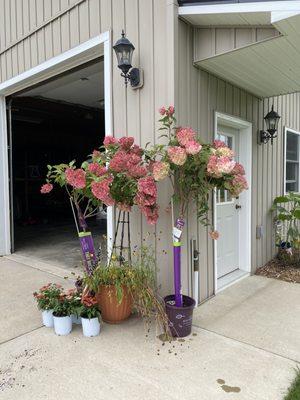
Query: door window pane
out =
(223, 196)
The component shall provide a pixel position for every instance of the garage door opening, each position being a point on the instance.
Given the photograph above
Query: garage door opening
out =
(55, 122)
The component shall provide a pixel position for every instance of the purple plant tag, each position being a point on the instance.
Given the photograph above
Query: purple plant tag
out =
(179, 223)
(88, 251)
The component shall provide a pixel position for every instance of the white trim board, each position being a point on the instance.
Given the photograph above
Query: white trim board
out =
(245, 152)
(87, 51)
(255, 7)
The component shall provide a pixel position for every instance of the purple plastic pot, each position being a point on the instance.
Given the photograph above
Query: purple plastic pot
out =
(180, 318)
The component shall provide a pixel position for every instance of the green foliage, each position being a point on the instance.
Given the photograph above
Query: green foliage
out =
(123, 188)
(287, 210)
(90, 312)
(47, 296)
(294, 390)
(74, 298)
(62, 308)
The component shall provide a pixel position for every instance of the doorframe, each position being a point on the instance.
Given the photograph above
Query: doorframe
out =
(76, 56)
(245, 152)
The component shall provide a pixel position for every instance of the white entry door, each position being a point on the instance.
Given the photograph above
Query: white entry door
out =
(227, 209)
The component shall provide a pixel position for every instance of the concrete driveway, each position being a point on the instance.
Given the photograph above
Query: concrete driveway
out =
(245, 345)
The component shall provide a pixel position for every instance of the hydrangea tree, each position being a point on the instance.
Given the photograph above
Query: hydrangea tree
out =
(194, 169)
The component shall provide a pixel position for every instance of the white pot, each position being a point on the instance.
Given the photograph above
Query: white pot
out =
(62, 325)
(76, 320)
(47, 316)
(90, 327)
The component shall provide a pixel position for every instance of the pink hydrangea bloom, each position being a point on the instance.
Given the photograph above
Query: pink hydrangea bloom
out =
(171, 110)
(126, 142)
(137, 171)
(75, 177)
(142, 199)
(96, 154)
(185, 135)
(147, 185)
(224, 152)
(162, 110)
(126, 162)
(237, 185)
(219, 166)
(238, 169)
(136, 150)
(160, 170)
(214, 235)
(119, 162)
(133, 159)
(97, 169)
(101, 190)
(151, 214)
(146, 198)
(177, 155)
(193, 147)
(109, 140)
(46, 188)
(219, 143)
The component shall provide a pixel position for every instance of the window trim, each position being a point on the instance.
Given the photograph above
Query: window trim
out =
(286, 130)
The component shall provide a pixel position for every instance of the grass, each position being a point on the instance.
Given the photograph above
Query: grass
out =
(294, 390)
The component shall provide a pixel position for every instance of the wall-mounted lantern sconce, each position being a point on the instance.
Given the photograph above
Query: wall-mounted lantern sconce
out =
(124, 50)
(271, 120)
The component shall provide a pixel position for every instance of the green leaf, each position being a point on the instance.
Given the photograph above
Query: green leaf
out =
(281, 199)
(283, 217)
(296, 213)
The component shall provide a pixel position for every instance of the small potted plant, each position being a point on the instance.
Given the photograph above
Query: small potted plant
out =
(74, 296)
(46, 299)
(111, 283)
(62, 312)
(90, 315)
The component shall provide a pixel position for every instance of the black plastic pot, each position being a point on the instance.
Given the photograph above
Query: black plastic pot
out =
(180, 318)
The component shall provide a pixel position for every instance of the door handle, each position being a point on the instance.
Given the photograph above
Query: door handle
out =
(238, 206)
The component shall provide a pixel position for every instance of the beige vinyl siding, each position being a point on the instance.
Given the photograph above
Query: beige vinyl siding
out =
(200, 95)
(208, 42)
(50, 27)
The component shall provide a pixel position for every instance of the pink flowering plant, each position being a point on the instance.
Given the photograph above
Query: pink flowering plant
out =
(118, 174)
(194, 168)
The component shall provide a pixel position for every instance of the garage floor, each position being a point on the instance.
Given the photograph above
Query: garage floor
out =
(216, 362)
(55, 244)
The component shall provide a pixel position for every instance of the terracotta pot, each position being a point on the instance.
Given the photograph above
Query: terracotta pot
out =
(112, 311)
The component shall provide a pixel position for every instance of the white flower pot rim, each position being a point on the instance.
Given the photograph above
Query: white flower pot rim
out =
(61, 316)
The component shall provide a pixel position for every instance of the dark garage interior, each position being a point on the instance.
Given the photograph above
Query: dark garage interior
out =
(56, 122)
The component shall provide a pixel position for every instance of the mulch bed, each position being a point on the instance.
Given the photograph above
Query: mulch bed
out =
(276, 269)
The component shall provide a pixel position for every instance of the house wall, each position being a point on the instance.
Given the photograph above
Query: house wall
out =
(32, 31)
(199, 95)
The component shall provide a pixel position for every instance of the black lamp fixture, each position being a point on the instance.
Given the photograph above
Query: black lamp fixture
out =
(124, 50)
(271, 120)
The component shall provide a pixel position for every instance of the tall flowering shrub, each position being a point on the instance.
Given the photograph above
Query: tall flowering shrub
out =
(194, 168)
